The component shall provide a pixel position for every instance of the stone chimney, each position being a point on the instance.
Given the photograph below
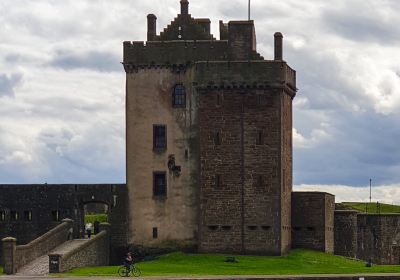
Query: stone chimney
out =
(151, 27)
(184, 7)
(278, 46)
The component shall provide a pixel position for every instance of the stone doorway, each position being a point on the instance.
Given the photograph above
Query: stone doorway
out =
(93, 214)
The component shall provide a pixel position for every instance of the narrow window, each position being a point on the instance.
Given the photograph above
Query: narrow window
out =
(218, 181)
(159, 185)
(28, 216)
(155, 233)
(179, 96)
(226, 228)
(14, 216)
(260, 137)
(213, 228)
(159, 137)
(55, 215)
(260, 181)
(252, 227)
(219, 99)
(2, 216)
(217, 138)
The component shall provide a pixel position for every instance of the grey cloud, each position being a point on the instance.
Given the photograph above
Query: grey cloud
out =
(8, 83)
(98, 61)
(362, 25)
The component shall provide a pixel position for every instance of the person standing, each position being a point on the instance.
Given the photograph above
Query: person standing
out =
(88, 228)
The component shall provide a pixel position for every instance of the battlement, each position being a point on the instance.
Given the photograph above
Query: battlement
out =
(244, 74)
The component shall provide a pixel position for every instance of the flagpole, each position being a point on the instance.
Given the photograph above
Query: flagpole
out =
(249, 10)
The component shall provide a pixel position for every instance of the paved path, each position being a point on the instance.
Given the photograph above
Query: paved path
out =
(40, 266)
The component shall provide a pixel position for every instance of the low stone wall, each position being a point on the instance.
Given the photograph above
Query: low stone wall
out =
(17, 256)
(94, 252)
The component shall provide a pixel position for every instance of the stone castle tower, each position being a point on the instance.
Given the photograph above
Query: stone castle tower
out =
(209, 138)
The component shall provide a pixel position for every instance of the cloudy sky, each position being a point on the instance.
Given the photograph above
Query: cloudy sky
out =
(62, 87)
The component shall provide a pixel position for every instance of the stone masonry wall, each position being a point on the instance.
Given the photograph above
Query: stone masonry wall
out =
(312, 221)
(94, 252)
(240, 178)
(378, 238)
(346, 233)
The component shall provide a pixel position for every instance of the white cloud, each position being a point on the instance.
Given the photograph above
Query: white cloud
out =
(384, 194)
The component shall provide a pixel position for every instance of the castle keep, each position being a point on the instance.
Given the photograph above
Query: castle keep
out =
(209, 138)
(209, 165)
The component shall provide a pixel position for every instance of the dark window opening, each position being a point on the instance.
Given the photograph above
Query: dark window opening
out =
(213, 228)
(55, 215)
(159, 185)
(260, 138)
(219, 99)
(217, 139)
(266, 227)
(311, 228)
(186, 154)
(28, 216)
(2, 216)
(155, 233)
(14, 215)
(159, 137)
(252, 227)
(260, 181)
(179, 97)
(226, 228)
(218, 181)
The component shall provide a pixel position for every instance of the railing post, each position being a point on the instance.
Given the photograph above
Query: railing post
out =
(9, 252)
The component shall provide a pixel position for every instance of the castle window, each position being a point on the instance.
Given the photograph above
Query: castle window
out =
(217, 138)
(260, 181)
(311, 228)
(226, 228)
(2, 216)
(213, 228)
(159, 185)
(28, 216)
(179, 96)
(252, 227)
(266, 227)
(260, 137)
(55, 215)
(218, 181)
(14, 215)
(155, 233)
(159, 137)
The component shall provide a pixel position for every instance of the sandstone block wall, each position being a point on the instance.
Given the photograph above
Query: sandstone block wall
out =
(313, 221)
(346, 233)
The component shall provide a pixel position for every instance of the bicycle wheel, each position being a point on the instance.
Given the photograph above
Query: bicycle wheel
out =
(136, 271)
(123, 272)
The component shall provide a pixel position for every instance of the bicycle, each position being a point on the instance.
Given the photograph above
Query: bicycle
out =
(132, 271)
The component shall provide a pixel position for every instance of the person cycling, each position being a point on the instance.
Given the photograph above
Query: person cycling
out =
(128, 262)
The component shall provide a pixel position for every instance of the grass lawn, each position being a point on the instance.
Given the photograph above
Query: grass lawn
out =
(297, 262)
(373, 208)
(1, 270)
(91, 218)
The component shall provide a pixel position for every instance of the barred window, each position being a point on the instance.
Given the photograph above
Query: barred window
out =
(159, 137)
(159, 185)
(179, 96)
(28, 216)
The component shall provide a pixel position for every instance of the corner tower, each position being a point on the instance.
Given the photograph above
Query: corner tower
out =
(209, 138)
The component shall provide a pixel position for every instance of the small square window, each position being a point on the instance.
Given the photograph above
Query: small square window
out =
(155, 233)
(260, 137)
(2, 216)
(159, 185)
(55, 215)
(218, 181)
(14, 215)
(28, 216)
(159, 137)
(217, 138)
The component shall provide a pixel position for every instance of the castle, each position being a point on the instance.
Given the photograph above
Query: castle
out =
(209, 158)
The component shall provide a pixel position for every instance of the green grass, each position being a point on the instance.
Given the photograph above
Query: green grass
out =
(1, 270)
(372, 208)
(297, 262)
(91, 218)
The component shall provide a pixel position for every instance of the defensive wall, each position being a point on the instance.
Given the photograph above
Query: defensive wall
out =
(29, 211)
